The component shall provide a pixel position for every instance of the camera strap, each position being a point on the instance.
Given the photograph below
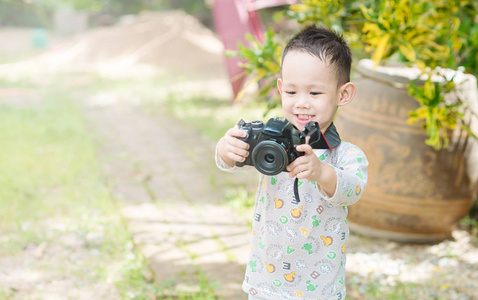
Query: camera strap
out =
(296, 190)
(330, 139)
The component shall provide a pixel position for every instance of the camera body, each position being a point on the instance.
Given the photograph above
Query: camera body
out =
(272, 146)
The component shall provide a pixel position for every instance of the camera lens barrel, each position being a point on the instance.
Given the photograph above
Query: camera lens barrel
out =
(269, 158)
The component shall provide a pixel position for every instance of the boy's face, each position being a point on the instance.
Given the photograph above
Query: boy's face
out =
(309, 90)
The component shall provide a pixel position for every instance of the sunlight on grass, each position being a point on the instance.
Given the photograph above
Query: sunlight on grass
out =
(44, 152)
(213, 116)
(53, 193)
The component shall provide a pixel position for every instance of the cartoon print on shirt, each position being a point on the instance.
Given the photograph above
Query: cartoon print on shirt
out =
(328, 240)
(273, 180)
(285, 294)
(296, 212)
(308, 248)
(284, 186)
(261, 244)
(290, 277)
(333, 225)
(267, 289)
(262, 200)
(255, 263)
(283, 219)
(359, 173)
(252, 264)
(299, 246)
(273, 228)
(270, 267)
(290, 250)
(279, 203)
(291, 233)
(329, 290)
(301, 264)
(263, 184)
(358, 189)
(324, 266)
(277, 282)
(307, 197)
(298, 215)
(311, 287)
(304, 231)
(275, 252)
(315, 221)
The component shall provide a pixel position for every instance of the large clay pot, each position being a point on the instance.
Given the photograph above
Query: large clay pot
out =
(414, 193)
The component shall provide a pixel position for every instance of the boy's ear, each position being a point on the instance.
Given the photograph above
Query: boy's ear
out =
(279, 85)
(347, 93)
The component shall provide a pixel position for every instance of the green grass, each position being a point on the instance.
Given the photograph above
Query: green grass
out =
(399, 291)
(203, 289)
(214, 116)
(52, 187)
(46, 158)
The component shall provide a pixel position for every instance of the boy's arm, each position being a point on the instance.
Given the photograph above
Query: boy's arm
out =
(340, 185)
(351, 177)
(328, 180)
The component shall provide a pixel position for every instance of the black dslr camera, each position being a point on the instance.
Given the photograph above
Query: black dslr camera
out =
(272, 146)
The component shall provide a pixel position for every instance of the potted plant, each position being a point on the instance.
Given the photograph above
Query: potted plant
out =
(412, 114)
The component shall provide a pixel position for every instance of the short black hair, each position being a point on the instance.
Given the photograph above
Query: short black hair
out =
(326, 45)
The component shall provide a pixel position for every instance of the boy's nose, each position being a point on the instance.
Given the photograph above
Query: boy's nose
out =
(302, 102)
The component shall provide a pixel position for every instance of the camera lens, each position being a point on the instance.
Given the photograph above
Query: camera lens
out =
(269, 158)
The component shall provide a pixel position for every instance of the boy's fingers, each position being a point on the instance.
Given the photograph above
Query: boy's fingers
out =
(295, 171)
(307, 139)
(237, 158)
(236, 132)
(241, 153)
(293, 166)
(307, 149)
(231, 139)
(237, 150)
(302, 175)
(236, 143)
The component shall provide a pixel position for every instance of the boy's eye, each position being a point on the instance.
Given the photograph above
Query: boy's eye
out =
(290, 92)
(315, 93)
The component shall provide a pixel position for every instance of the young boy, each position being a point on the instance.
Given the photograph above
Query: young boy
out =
(298, 247)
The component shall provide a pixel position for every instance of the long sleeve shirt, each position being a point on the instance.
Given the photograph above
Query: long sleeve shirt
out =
(298, 245)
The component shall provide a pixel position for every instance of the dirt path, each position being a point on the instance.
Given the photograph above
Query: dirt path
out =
(171, 198)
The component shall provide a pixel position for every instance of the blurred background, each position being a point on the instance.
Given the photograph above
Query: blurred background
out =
(110, 111)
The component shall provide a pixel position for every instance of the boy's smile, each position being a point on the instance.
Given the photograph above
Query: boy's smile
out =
(309, 90)
(304, 119)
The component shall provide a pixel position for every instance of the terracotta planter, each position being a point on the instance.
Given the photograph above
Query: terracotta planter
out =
(414, 193)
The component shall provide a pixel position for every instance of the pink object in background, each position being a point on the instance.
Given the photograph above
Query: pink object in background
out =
(233, 19)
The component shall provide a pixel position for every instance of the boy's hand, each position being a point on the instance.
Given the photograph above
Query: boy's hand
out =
(311, 168)
(232, 149)
(307, 166)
